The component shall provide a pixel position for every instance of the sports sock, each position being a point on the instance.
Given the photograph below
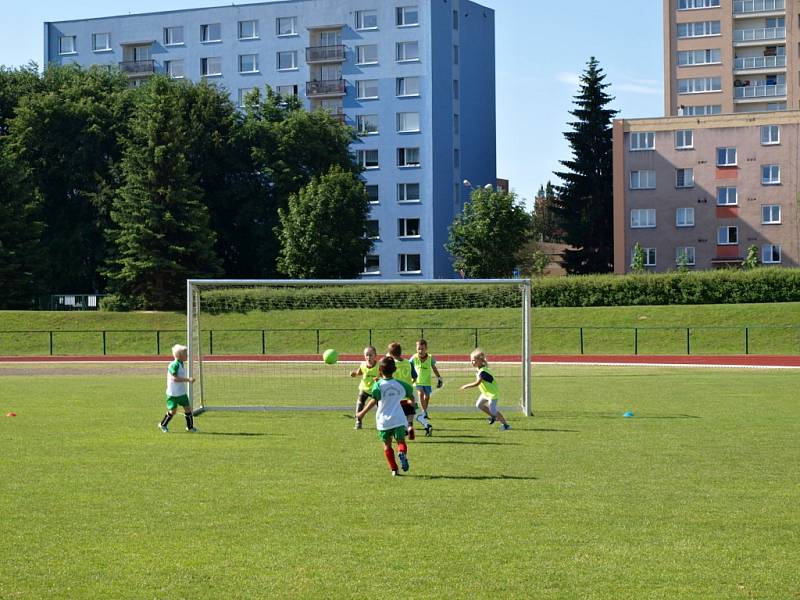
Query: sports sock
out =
(422, 420)
(167, 418)
(401, 447)
(189, 420)
(389, 452)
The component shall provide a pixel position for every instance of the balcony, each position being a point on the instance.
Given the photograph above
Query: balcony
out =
(135, 68)
(338, 115)
(759, 62)
(759, 35)
(329, 88)
(748, 7)
(760, 91)
(325, 54)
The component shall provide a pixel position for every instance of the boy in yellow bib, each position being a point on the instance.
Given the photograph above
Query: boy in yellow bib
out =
(425, 367)
(368, 370)
(487, 401)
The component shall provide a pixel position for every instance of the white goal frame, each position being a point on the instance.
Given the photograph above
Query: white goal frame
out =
(192, 332)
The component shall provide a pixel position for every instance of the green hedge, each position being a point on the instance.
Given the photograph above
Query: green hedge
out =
(761, 285)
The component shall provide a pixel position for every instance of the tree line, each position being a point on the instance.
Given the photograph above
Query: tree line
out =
(129, 191)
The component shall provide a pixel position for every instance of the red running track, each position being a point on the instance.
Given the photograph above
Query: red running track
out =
(738, 360)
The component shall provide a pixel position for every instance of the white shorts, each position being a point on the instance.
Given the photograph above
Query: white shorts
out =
(492, 404)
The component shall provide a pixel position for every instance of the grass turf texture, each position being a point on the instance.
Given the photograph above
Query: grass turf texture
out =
(694, 497)
(717, 329)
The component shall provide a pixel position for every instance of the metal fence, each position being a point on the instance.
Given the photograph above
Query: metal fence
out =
(571, 340)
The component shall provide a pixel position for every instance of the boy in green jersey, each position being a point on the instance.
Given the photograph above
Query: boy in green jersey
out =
(368, 370)
(425, 367)
(176, 390)
(390, 419)
(487, 401)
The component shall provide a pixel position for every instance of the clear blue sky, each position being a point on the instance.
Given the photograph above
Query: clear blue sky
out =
(541, 48)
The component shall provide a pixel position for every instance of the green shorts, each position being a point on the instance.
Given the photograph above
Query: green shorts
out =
(174, 401)
(398, 433)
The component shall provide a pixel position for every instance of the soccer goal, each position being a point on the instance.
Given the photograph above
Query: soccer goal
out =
(257, 344)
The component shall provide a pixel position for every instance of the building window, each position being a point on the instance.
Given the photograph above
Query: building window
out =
(373, 229)
(408, 192)
(368, 159)
(770, 134)
(699, 85)
(643, 180)
(456, 158)
(700, 111)
(367, 124)
(286, 90)
(286, 26)
(211, 66)
(408, 157)
(287, 61)
(407, 16)
(728, 235)
(690, 4)
(726, 196)
(408, 86)
(455, 20)
(211, 32)
(684, 255)
(372, 194)
(455, 89)
(372, 264)
(66, 44)
(101, 42)
(770, 174)
(366, 19)
(684, 139)
(248, 30)
(174, 69)
(726, 157)
(173, 36)
(456, 124)
(248, 63)
(642, 140)
(367, 55)
(684, 178)
(243, 92)
(712, 56)
(407, 51)
(684, 217)
(770, 254)
(698, 29)
(649, 256)
(408, 122)
(643, 218)
(408, 228)
(410, 263)
(367, 89)
(771, 214)
(455, 54)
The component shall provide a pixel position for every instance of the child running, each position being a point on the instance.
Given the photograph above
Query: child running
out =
(368, 370)
(390, 419)
(405, 373)
(425, 366)
(176, 390)
(487, 401)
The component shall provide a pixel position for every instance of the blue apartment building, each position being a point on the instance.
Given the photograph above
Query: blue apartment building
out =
(415, 78)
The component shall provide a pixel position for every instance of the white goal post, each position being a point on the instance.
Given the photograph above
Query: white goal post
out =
(256, 345)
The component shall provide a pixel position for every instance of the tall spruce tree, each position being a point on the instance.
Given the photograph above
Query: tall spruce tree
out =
(161, 233)
(584, 205)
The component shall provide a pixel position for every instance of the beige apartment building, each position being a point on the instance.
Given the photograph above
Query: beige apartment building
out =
(701, 190)
(730, 56)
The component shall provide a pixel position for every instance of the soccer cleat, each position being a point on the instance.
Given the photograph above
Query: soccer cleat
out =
(410, 432)
(191, 429)
(428, 430)
(163, 428)
(492, 419)
(395, 473)
(358, 425)
(403, 460)
(505, 427)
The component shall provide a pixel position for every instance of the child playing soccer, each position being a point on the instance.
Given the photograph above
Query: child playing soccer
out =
(405, 373)
(176, 390)
(487, 401)
(390, 419)
(368, 370)
(424, 364)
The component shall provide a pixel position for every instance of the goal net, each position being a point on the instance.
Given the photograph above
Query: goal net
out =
(258, 344)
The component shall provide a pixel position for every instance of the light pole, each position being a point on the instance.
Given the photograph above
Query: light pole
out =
(488, 187)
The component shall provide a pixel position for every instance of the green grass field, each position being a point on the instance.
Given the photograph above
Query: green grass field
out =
(715, 329)
(694, 497)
